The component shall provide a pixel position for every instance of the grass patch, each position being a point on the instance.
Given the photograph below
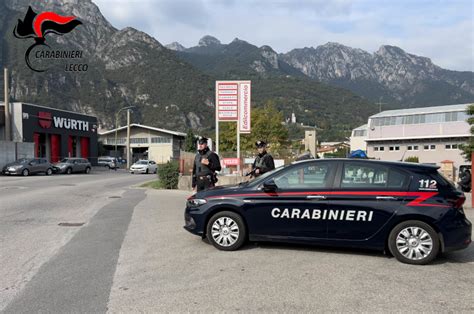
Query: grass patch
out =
(155, 184)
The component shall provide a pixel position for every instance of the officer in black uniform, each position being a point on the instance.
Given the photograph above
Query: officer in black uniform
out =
(264, 161)
(206, 163)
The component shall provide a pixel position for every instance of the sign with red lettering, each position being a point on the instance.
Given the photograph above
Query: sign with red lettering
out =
(230, 161)
(233, 103)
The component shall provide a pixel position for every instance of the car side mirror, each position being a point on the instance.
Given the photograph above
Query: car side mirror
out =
(269, 186)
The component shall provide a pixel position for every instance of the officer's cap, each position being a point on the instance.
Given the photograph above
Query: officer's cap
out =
(202, 140)
(260, 144)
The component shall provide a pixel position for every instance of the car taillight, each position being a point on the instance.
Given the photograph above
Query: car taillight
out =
(457, 202)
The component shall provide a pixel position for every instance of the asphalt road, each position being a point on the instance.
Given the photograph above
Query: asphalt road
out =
(44, 264)
(132, 255)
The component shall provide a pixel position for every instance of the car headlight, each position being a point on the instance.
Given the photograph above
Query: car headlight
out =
(196, 202)
(62, 166)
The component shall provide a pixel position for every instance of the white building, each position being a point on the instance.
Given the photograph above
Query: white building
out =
(146, 142)
(433, 134)
(358, 138)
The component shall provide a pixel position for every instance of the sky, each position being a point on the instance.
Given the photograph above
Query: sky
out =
(440, 30)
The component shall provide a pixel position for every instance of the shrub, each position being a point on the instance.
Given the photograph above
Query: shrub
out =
(412, 159)
(168, 175)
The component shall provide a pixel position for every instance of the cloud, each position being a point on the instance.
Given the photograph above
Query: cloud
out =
(440, 30)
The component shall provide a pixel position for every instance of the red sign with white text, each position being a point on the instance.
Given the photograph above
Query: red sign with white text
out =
(230, 161)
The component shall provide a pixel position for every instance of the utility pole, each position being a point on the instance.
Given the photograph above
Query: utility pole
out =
(128, 138)
(380, 103)
(8, 127)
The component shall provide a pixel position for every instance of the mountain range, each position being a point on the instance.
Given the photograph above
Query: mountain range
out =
(331, 86)
(390, 75)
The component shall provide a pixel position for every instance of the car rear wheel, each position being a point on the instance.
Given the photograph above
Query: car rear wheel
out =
(25, 172)
(146, 171)
(68, 170)
(226, 231)
(414, 242)
(88, 170)
(49, 171)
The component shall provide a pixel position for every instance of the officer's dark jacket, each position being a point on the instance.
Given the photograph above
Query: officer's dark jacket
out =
(200, 169)
(263, 162)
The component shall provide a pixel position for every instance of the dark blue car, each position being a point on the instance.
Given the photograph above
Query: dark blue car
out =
(406, 209)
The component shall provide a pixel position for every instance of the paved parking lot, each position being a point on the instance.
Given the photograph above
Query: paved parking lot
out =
(172, 270)
(132, 255)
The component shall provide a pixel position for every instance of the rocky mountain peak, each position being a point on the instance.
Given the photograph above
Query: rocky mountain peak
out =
(208, 40)
(175, 46)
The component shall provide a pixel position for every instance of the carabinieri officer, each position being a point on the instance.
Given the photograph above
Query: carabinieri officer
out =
(264, 161)
(206, 163)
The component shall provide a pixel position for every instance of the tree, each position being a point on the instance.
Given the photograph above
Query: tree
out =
(412, 159)
(190, 142)
(468, 148)
(266, 125)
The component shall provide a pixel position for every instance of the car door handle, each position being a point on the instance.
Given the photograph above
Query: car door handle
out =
(386, 198)
(316, 197)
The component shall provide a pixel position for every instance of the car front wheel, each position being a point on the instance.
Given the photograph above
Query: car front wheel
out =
(68, 170)
(226, 231)
(88, 170)
(414, 242)
(49, 171)
(25, 172)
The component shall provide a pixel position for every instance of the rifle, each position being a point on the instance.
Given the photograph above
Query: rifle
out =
(251, 173)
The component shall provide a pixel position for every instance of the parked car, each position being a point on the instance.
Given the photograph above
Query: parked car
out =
(409, 210)
(108, 162)
(73, 165)
(27, 166)
(144, 166)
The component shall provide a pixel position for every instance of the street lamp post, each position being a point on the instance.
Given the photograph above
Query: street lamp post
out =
(128, 108)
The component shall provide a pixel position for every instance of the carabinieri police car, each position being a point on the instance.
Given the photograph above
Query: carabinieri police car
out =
(409, 210)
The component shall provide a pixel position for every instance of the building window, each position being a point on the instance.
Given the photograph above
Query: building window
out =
(420, 118)
(429, 147)
(139, 140)
(160, 140)
(360, 133)
(412, 147)
(379, 148)
(394, 148)
(451, 146)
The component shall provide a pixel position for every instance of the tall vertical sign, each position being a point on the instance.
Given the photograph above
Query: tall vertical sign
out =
(233, 104)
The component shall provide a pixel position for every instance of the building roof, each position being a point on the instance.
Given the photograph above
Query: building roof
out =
(362, 127)
(144, 127)
(412, 111)
(2, 103)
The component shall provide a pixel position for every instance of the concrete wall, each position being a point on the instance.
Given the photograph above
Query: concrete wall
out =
(160, 153)
(435, 156)
(7, 153)
(11, 151)
(358, 142)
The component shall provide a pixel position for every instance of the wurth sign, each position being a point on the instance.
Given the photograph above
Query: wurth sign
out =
(233, 103)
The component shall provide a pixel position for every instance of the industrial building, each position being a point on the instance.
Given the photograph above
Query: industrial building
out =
(146, 142)
(433, 134)
(55, 133)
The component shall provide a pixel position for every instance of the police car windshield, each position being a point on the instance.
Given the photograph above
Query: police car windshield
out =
(142, 162)
(265, 175)
(64, 160)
